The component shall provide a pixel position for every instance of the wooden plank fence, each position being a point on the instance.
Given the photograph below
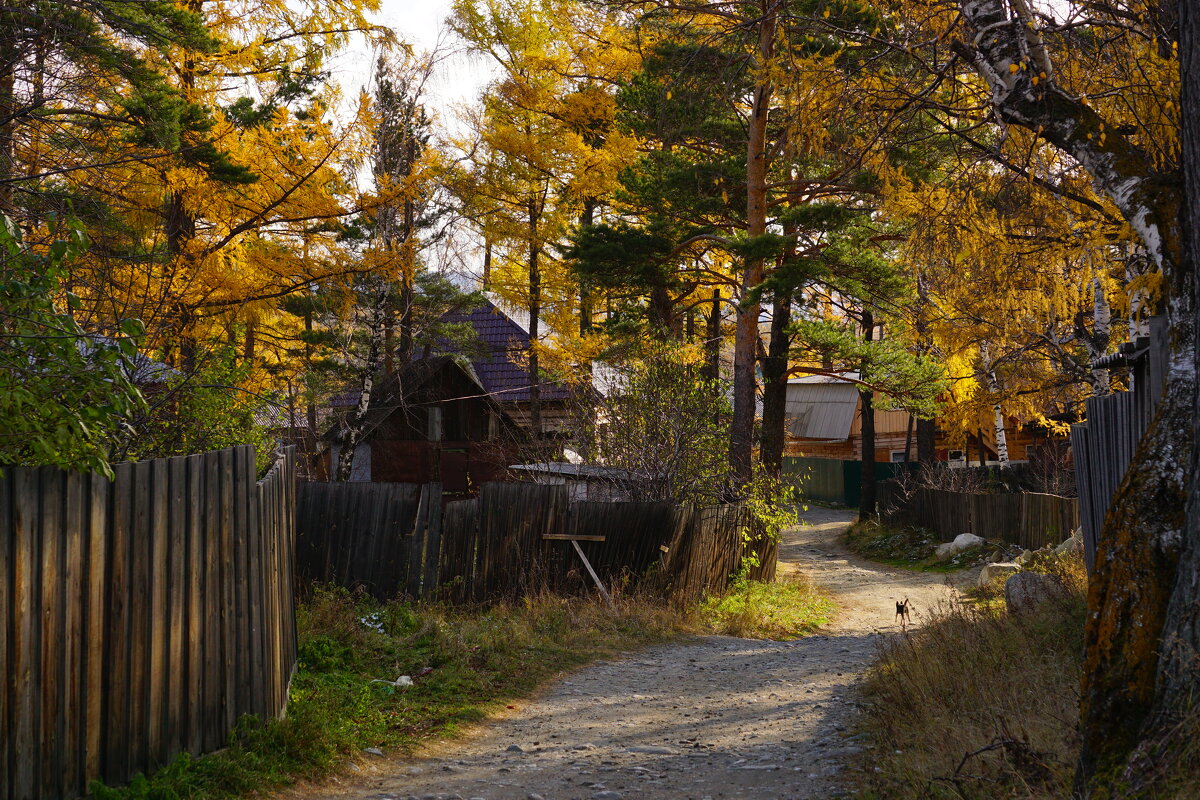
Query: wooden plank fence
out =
(1029, 519)
(495, 546)
(1104, 445)
(144, 615)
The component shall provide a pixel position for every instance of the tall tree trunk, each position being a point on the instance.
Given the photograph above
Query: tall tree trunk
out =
(1179, 667)
(486, 279)
(662, 313)
(1101, 333)
(535, 310)
(251, 343)
(10, 41)
(587, 218)
(712, 339)
(926, 441)
(353, 431)
(389, 340)
(774, 369)
(908, 440)
(866, 508)
(745, 345)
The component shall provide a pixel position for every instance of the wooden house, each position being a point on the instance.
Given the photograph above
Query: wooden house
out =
(432, 420)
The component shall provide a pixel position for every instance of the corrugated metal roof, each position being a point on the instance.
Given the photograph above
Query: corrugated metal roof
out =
(821, 410)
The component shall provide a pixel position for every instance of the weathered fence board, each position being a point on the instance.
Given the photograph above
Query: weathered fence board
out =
(1029, 519)
(1104, 446)
(495, 546)
(143, 618)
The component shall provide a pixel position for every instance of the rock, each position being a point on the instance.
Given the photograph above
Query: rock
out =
(651, 750)
(515, 748)
(1024, 558)
(534, 796)
(375, 751)
(964, 541)
(1025, 592)
(1072, 545)
(997, 570)
(996, 557)
(606, 795)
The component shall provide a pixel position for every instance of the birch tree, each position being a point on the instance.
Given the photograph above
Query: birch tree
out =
(1139, 553)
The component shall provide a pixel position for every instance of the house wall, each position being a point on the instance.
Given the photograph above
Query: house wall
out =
(461, 467)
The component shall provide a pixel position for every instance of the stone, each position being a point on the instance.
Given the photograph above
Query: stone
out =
(606, 795)
(375, 751)
(515, 748)
(1072, 545)
(651, 750)
(996, 570)
(964, 541)
(1025, 592)
(534, 796)
(1024, 558)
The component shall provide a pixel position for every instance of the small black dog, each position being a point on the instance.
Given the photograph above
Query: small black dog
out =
(902, 613)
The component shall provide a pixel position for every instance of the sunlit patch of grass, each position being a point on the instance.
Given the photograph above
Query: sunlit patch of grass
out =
(787, 609)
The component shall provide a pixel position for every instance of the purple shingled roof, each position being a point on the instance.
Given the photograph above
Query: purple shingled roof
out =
(503, 371)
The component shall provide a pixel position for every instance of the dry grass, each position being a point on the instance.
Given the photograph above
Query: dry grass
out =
(978, 704)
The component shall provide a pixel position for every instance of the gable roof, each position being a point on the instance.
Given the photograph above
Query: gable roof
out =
(505, 346)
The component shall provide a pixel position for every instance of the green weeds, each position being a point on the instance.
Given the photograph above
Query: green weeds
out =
(787, 609)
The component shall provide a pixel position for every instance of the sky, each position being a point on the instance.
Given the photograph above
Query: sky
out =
(419, 23)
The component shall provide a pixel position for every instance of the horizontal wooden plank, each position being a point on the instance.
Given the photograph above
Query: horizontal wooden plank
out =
(570, 537)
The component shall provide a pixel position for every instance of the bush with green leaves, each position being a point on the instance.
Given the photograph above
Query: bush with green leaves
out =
(65, 393)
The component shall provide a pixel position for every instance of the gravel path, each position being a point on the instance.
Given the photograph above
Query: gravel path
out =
(712, 717)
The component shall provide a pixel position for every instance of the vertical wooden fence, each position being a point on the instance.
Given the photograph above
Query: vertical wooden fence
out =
(144, 615)
(495, 546)
(1029, 519)
(1104, 445)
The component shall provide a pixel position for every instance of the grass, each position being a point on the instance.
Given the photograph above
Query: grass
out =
(977, 703)
(466, 664)
(787, 609)
(908, 548)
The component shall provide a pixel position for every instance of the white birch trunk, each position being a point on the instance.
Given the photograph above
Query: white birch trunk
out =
(352, 433)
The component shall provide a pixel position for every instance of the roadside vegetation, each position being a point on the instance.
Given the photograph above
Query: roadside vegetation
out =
(789, 608)
(977, 704)
(980, 703)
(906, 547)
(464, 664)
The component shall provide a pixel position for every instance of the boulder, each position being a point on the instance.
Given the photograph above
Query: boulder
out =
(997, 570)
(1024, 558)
(1026, 592)
(964, 541)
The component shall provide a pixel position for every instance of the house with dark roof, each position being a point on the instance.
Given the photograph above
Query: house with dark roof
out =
(502, 365)
(430, 420)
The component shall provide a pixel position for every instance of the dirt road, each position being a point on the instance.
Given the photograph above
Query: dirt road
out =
(713, 717)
